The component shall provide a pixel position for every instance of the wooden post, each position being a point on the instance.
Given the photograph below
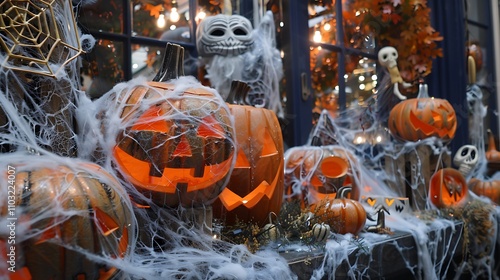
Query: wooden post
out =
(412, 170)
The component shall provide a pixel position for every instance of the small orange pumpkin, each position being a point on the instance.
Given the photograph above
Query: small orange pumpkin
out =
(490, 189)
(343, 215)
(177, 146)
(81, 207)
(255, 187)
(312, 173)
(448, 188)
(423, 117)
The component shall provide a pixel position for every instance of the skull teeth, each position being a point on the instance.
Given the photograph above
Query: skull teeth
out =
(465, 169)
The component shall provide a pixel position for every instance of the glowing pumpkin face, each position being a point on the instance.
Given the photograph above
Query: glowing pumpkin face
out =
(176, 137)
(447, 188)
(421, 118)
(63, 207)
(313, 173)
(180, 149)
(256, 185)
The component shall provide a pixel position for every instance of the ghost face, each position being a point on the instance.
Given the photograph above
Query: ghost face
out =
(224, 35)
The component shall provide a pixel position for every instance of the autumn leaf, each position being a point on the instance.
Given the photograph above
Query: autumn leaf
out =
(396, 18)
(419, 2)
(407, 35)
(154, 11)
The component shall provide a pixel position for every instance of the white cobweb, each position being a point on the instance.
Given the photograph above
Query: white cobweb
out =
(433, 231)
(47, 122)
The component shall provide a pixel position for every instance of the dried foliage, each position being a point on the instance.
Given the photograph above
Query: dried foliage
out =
(403, 24)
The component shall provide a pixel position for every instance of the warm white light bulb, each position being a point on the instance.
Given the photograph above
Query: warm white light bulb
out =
(174, 15)
(200, 16)
(360, 140)
(161, 21)
(317, 36)
(327, 27)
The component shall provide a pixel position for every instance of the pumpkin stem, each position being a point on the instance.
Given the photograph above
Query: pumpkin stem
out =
(491, 141)
(172, 65)
(344, 191)
(238, 92)
(423, 91)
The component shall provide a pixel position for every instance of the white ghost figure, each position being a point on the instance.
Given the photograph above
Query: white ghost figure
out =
(232, 50)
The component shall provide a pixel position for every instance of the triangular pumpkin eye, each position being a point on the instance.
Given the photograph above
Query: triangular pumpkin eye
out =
(268, 147)
(106, 223)
(242, 160)
(151, 121)
(210, 127)
(183, 149)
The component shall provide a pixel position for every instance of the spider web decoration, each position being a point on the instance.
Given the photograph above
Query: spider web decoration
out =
(31, 37)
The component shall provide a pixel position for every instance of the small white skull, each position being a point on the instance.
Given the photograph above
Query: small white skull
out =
(466, 159)
(388, 56)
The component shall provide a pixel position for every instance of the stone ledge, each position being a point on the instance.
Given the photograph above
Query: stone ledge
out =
(396, 257)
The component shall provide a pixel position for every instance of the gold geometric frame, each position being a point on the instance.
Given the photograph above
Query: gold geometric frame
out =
(31, 40)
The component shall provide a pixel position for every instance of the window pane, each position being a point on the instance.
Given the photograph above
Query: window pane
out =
(324, 79)
(146, 61)
(322, 22)
(478, 11)
(102, 67)
(168, 20)
(103, 15)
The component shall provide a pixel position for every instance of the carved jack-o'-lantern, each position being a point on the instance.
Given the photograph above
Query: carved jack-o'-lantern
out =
(177, 144)
(312, 173)
(447, 188)
(423, 117)
(255, 188)
(61, 213)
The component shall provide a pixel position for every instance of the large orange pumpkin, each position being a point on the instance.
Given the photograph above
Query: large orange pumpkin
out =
(177, 145)
(490, 189)
(255, 187)
(423, 117)
(343, 215)
(448, 188)
(65, 211)
(312, 173)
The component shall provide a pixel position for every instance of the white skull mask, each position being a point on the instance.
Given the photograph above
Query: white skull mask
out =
(388, 56)
(466, 159)
(224, 35)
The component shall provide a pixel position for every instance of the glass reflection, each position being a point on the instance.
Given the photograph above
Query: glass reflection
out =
(155, 18)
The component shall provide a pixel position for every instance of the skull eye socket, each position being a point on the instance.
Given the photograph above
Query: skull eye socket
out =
(394, 54)
(239, 32)
(473, 154)
(217, 32)
(465, 152)
(384, 57)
